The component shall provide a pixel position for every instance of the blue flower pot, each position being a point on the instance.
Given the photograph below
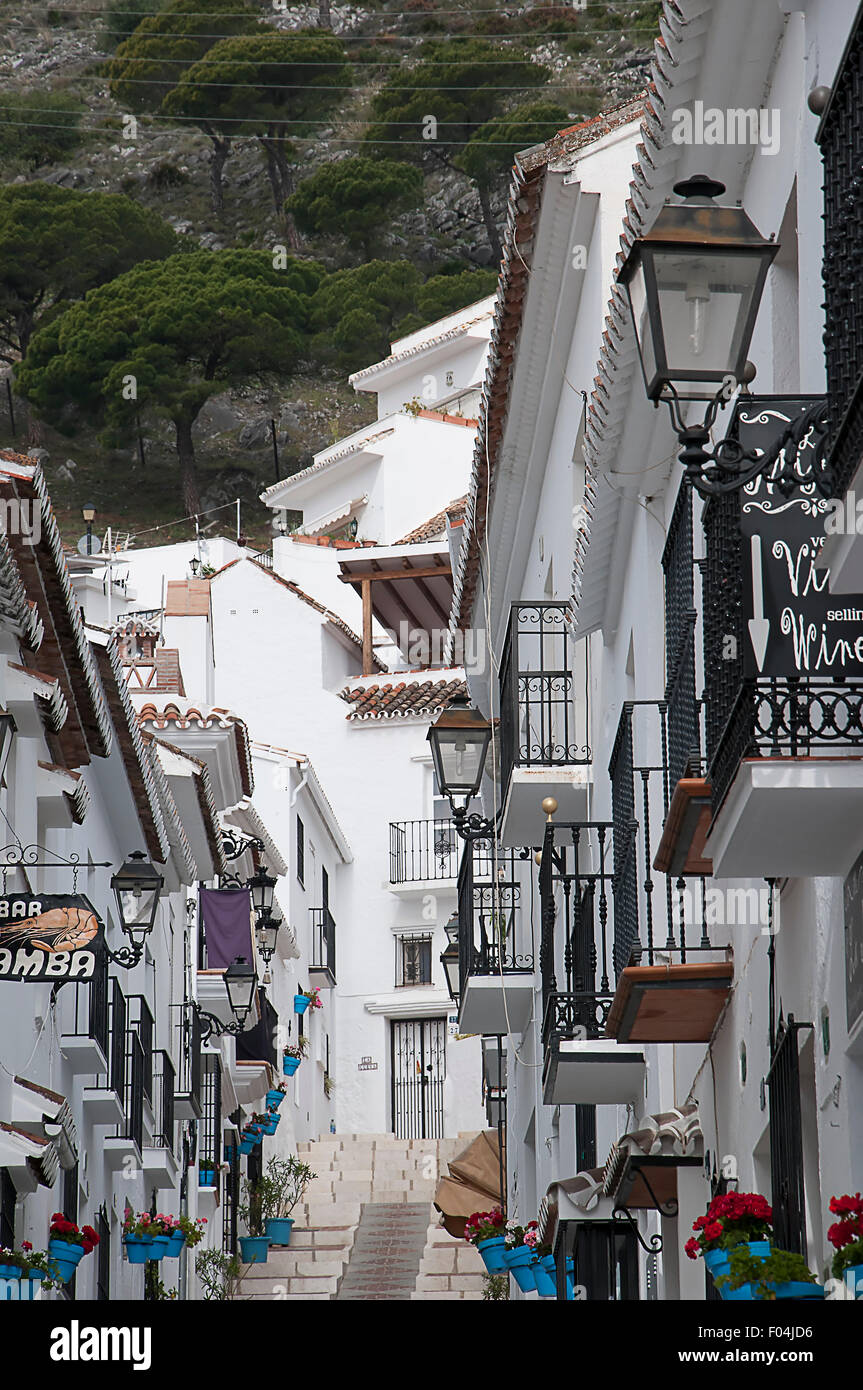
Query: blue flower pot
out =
(797, 1288)
(544, 1275)
(254, 1249)
(274, 1099)
(491, 1251)
(570, 1279)
(301, 1003)
(278, 1229)
(10, 1271)
(207, 1176)
(718, 1264)
(65, 1257)
(138, 1249)
(176, 1241)
(290, 1064)
(519, 1262)
(159, 1247)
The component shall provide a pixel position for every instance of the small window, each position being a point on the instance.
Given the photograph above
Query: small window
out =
(413, 960)
(301, 852)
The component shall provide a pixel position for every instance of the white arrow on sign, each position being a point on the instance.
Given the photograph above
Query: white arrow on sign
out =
(759, 626)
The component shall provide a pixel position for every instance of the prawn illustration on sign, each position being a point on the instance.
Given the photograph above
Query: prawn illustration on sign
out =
(48, 937)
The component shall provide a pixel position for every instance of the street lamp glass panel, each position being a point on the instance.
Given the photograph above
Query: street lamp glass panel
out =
(261, 886)
(449, 961)
(88, 511)
(137, 887)
(459, 742)
(694, 284)
(267, 932)
(240, 981)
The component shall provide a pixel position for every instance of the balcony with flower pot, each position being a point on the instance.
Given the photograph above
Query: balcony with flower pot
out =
(543, 748)
(495, 946)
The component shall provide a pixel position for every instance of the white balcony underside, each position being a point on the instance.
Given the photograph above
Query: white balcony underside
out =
(102, 1105)
(790, 818)
(160, 1166)
(599, 1072)
(495, 1006)
(523, 819)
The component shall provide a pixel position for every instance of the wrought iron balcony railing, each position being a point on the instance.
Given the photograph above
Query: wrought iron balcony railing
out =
(538, 726)
(495, 936)
(163, 1101)
(187, 1050)
(210, 1128)
(323, 961)
(841, 140)
(141, 1019)
(423, 850)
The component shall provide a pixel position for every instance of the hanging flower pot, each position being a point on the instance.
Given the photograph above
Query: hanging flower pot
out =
(65, 1258)
(138, 1249)
(279, 1228)
(544, 1274)
(274, 1099)
(254, 1249)
(491, 1251)
(206, 1175)
(246, 1145)
(290, 1064)
(159, 1247)
(301, 1003)
(519, 1261)
(176, 1243)
(10, 1271)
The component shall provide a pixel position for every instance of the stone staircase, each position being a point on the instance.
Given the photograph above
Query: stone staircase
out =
(367, 1228)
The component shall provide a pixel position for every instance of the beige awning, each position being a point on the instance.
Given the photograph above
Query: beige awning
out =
(473, 1184)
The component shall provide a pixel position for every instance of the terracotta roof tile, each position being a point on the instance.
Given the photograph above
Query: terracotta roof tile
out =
(402, 699)
(436, 525)
(172, 716)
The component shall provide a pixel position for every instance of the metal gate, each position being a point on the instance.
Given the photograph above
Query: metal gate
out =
(418, 1065)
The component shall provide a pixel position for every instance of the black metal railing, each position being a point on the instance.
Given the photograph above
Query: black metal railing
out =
(494, 935)
(323, 959)
(210, 1125)
(576, 884)
(841, 140)
(90, 1011)
(163, 1101)
(538, 726)
(117, 1058)
(141, 1019)
(423, 849)
(188, 1054)
(653, 912)
(684, 707)
(786, 1139)
(131, 1128)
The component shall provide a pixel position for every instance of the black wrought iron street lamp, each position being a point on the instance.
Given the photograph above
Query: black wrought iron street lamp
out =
(694, 285)
(240, 983)
(267, 932)
(137, 887)
(460, 739)
(261, 886)
(450, 958)
(88, 511)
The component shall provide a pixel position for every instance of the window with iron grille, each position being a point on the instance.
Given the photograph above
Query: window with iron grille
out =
(786, 1140)
(413, 960)
(7, 1209)
(301, 852)
(210, 1128)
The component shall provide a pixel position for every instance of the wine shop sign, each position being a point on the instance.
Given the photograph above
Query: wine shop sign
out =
(49, 937)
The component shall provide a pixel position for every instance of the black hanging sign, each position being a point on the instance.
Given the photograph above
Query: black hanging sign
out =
(795, 626)
(44, 936)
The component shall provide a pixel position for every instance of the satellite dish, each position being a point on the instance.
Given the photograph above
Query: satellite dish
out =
(95, 543)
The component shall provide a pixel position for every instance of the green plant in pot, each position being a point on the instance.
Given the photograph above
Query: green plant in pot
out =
(281, 1188)
(255, 1245)
(781, 1274)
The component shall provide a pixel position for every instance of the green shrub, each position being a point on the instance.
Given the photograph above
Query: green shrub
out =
(40, 127)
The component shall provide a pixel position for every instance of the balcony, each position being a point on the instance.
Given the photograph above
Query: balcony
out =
(159, 1159)
(322, 969)
(84, 1039)
(541, 749)
(783, 679)
(210, 1128)
(126, 1145)
(576, 884)
(423, 854)
(103, 1100)
(496, 953)
(187, 1097)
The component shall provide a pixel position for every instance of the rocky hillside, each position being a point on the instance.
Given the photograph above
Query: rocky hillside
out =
(55, 56)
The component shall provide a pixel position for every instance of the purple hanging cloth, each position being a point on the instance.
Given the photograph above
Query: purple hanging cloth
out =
(227, 917)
